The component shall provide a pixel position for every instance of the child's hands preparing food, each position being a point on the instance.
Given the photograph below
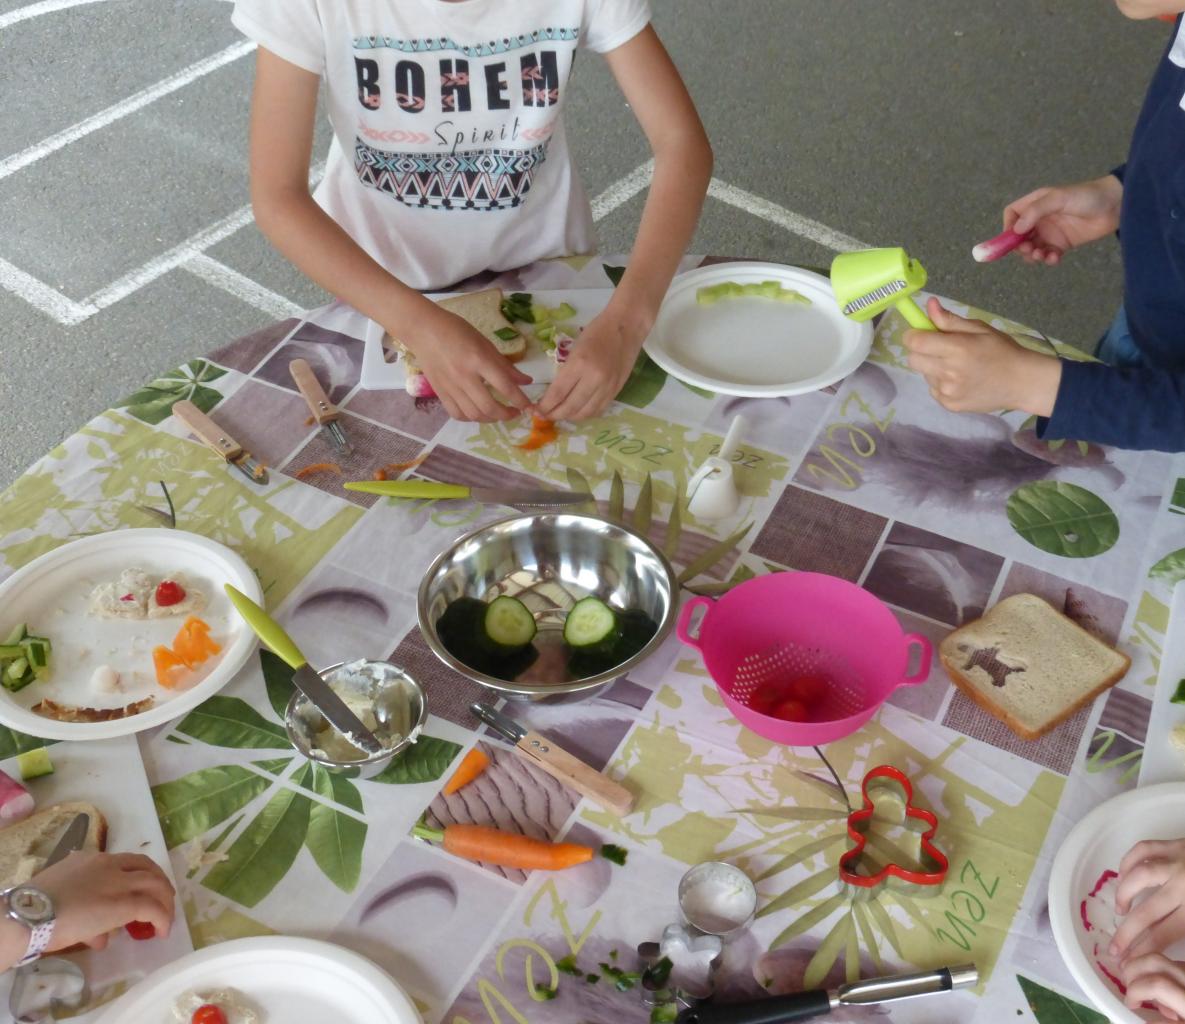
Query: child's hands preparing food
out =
(1065, 217)
(972, 367)
(1158, 868)
(1155, 980)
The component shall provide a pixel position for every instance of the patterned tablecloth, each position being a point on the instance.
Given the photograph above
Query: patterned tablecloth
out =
(869, 480)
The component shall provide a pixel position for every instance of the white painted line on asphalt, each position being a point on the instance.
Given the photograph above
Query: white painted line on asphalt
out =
(241, 287)
(621, 192)
(137, 101)
(36, 10)
(41, 296)
(795, 223)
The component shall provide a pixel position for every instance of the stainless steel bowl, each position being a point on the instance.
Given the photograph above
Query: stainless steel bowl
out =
(549, 561)
(399, 707)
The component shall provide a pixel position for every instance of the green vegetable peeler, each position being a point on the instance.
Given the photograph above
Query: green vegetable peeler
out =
(869, 282)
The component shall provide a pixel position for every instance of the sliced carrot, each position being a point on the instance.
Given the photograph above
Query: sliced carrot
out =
(193, 643)
(166, 664)
(543, 432)
(506, 849)
(471, 766)
(318, 467)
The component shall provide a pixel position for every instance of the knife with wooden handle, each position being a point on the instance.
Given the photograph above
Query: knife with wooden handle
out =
(218, 440)
(324, 411)
(557, 762)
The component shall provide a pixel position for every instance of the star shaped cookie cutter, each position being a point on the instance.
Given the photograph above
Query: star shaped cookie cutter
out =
(925, 880)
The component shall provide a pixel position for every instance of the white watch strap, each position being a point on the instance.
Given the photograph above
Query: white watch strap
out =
(39, 939)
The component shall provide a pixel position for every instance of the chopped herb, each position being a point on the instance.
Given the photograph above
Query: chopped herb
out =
(592, 979)
(506, 333)
(542, 994)
(1179, 696)
(613, 955)
(664, 1013)
(623, 981)
(568, 966)
(658, 973)
(614, 853)
(767, 982)
(518, 307)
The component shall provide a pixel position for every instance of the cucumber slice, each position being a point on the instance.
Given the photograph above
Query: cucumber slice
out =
(508, 624)
(17, 675)
(591, 624)
(17, 635)
(37, 653)
(461, 631)
(10, 651)
(34, 763)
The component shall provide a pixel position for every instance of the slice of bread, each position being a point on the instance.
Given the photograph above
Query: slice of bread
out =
(25, 845)
(483, 311)
(1030, 665)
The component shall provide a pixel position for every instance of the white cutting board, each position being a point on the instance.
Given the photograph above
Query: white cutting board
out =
(1163, 760)
(110, 774)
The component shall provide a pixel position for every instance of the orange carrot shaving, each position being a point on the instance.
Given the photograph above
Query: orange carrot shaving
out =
(543, 432)
(310, 421)
(166, 664)
(380, 474)
(399, 467)
(488, 845)
(471, 766)
(319, 467)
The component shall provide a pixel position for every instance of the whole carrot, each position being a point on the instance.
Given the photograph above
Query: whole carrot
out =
(488, 845)
(471, 766)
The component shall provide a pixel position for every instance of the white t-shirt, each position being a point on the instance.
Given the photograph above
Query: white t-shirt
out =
(449, 155)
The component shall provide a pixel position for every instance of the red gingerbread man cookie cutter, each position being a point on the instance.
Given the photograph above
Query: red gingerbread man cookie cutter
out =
(934, 864)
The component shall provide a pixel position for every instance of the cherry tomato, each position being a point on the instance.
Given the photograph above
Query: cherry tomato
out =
(790, 710)
(208, 1014)
(809, 689)
(140, 930)
(169, 592)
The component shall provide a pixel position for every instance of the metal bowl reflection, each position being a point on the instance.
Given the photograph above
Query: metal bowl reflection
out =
(549, 561)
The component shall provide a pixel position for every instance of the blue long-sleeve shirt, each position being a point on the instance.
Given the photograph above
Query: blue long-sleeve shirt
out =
(1143, 408)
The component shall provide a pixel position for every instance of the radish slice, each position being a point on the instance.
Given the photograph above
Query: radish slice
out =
(16, 802)
(998, 247)
(418, 386)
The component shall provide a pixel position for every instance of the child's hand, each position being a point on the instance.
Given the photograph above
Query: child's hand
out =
(97, 893)
(596, 370)
(1159, 920)
(1065, 217)
(972, 367)
(459, 364)
(1157, 980)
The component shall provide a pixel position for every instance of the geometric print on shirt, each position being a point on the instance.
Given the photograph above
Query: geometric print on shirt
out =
(484, 179)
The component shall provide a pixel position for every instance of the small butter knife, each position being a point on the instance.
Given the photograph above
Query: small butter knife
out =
(324, 411)
(305, 678)
(218, 440)
(557, 762)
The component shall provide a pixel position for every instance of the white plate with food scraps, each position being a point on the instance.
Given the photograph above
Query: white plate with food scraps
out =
(752, 345)
(1163, 759)
(53, 597)
(1082, 886)
(281, 980)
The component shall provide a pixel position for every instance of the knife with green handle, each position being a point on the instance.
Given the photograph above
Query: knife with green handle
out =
(513, 496)
(305, 678)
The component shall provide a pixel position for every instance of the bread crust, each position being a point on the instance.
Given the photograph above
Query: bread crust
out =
(973, 691)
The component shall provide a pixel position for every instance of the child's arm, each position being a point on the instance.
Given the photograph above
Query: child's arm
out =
(456, 359)
(972, 367)
(1149, 8)
(609, 346)
(94, 894)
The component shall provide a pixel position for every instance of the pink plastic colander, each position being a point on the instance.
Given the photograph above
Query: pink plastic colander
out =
(789, 624)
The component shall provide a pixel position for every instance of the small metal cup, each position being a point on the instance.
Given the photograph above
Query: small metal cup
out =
(717, 899)
(399, 703)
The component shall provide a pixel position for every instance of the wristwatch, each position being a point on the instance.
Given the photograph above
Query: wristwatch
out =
(28, 905)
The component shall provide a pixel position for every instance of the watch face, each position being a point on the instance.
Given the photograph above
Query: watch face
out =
(30, 905)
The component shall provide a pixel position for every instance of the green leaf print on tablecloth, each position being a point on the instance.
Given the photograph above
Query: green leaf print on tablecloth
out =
(1063, 519)
(154, 403)
(190, 806)
(1053, 1008)
(13, 742)
(335, 839)
(232, 722)
(266, 849)
(425, 761)
(1170, 569)
(277, 677)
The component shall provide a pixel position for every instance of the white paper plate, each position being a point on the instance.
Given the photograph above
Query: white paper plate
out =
(1163, 760)
(52, 593)
(755, 347)
(1097, 844)
(290, 981)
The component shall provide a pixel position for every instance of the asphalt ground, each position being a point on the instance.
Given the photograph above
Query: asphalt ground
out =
(126, 247)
